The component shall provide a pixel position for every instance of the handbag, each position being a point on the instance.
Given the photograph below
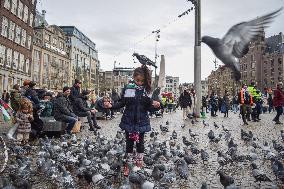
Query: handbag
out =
(77, 127)
(12, 131)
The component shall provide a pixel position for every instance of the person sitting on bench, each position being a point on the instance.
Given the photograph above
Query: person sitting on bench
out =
(63, 110)
(81, 109)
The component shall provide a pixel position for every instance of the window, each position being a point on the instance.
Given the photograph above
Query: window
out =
(36, 66)
(27, 65)
(2, 54)
(61, 45)
(7, 4)
(14, 7)
(23, 41)
(18, 35)
(9, 57)
(11, 31)
(4, 27)
(20, 10)
(272, 62)
(252, 58)
(54, 41)
(15, 60)
(47, 37)
(26, 14)
(31, 19)
(29, 41)
(33, 2)
(22, 62)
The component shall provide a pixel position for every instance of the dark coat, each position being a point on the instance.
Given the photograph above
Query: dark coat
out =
(15, 99)
(226, 101)
(81, 105)
(6, 97)
(278, 98)
(137, 104)
(62, 108)
(32, 95)
(115, 96)
(75, 93)
(185, 100)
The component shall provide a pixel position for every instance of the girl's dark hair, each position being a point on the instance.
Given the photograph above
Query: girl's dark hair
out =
(145, 72)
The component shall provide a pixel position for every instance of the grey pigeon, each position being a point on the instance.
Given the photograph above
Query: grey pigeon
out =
(174, 134)
(282, 135)
(204, 185)
(234, 44)
(182, 169)
(156, 173)
(204, 155)
(225, 179)
(211, 135)
(147, 185)
(258, 175)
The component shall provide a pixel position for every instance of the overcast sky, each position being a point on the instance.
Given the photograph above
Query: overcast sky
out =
(121, 27)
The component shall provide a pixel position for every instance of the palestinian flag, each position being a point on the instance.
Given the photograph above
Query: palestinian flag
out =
(6, 110)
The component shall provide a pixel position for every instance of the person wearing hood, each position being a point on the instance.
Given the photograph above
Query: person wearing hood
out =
(81, 109)
(75, 90)
(278, 101)
(15, 97)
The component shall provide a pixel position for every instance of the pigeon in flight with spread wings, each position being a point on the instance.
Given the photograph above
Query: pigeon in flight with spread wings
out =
(234, 44)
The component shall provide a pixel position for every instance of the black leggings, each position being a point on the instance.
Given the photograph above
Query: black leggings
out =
(130, 143)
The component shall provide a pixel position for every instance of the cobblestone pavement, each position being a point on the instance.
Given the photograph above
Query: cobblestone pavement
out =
(265, 130)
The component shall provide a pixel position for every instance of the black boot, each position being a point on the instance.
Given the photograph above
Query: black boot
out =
(97, 127)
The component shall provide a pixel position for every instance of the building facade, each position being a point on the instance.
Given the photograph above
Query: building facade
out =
(204, 87)
(222, 80)
(84, 57)
(51, 63)
(16, 33)
(172, 85)
(121, 76)
(263, 63)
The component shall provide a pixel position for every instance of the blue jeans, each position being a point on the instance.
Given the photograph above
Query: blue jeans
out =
(71, 122)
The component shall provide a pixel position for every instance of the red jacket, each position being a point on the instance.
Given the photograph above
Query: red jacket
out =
(278, 98)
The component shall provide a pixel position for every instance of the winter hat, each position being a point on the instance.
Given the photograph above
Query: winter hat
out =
(85, 92)
(26, 82)
(32, 84)
(65, 88)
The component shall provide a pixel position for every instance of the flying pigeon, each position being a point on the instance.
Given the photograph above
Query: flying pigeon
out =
(234, 44)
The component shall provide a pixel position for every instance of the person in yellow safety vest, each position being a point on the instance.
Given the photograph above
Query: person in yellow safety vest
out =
(252, 91)
(170, 103)
(164, 101)
(245, 100)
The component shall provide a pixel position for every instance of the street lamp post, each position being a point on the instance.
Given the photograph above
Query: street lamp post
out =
(197, 56)
(156, 56)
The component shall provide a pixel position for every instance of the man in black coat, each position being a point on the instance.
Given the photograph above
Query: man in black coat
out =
(81, 109)
(75, 90)
(185, 103)
(63, 110)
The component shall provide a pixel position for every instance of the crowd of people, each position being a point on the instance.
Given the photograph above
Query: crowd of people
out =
(250, 102)
(30, 105)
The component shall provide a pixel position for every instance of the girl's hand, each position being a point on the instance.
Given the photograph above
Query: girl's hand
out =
(107, 104)
(156, 104)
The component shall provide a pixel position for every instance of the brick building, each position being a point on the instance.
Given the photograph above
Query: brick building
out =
(221, 80)
(263, 63)
(16, 33)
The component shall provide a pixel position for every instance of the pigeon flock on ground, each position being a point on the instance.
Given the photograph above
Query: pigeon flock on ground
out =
(70, 161)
